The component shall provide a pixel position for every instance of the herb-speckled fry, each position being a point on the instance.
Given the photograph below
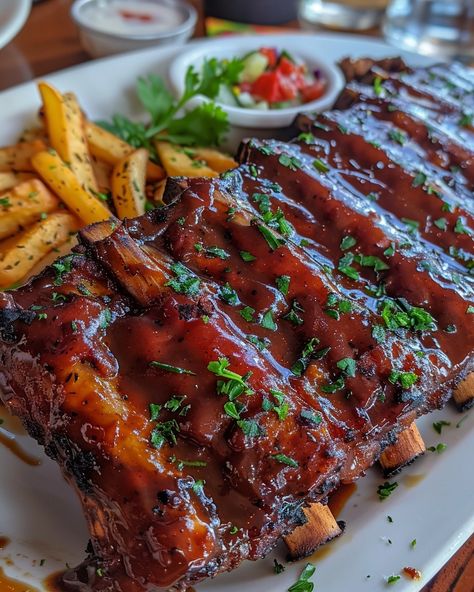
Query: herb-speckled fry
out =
(128, 184)
(64, 122)
(65, 184)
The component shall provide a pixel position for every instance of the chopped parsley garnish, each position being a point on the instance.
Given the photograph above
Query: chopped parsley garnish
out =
(74, 326)
(393, 579)
(280, 407)
(401, 315)
(470, 309)
(285, 460)
(311, 416)
(398, 136)
(273, 241)
(215, 251)
(439, 425)
(105, 318)
(320, 165)
(267, 321)
(413, 543)
(307, 138)
(247, 313)
(234, 409)
(5, 202)
(185, 281)
(333, 387)
(249, 427)
(460, 228)
(405, 379)
(466, 120)
(180, 463)
(228, 294)
(278, 568)
(246, 256)
(439, 448)
(348, 366)
(413, 225)
(303, 584)
(198, 486)
(291, 162)
(306, 355)
(61, 267)
(292, 315)
(233, 530)
(346, 268)
(283, 284)
(170, 368)
(378, 88)
(378, 333)
(260, 344)
(347, 243)
(164, 432)
(390, 251)
(441, 223)
(385, 490)
(220, 368)
(420, 179)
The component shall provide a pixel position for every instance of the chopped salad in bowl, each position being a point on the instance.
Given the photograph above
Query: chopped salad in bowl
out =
(259, 87)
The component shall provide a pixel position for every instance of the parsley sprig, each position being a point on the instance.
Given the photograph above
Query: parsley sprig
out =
(204, 125)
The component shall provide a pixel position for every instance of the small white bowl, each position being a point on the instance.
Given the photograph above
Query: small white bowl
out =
(99, 42)
(238, 46)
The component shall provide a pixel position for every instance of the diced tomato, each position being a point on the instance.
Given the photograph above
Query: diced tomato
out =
(271, 54)
(312, 91)
(267, 87)
(286, 66)
(288, 89)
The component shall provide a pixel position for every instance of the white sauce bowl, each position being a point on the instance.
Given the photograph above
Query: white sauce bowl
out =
(101, 37)
(236, 47)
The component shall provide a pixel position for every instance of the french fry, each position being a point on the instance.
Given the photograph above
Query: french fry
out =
(111, 149)
(178, 163)
(218, 161)
(19, 254)
(67, 187)
(64, 122)
(9, 180)
(33, 133)
(17, 158)
(23, 205)
(128, 184)
(103, 174)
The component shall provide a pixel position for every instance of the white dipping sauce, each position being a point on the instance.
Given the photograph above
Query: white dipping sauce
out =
(129, 17)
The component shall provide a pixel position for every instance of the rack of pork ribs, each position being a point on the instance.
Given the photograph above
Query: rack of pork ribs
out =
(207, 374)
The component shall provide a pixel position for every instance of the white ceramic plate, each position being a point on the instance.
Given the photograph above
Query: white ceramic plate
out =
(42, 517)
(13, 14)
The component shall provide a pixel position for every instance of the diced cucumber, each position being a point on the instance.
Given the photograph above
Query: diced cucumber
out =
(245, 99)
(254, 65)
(226, 96)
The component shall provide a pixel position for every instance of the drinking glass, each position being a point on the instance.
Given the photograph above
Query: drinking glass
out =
(341, 14)
(442, 28)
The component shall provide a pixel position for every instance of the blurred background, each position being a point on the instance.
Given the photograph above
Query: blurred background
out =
(40, 36)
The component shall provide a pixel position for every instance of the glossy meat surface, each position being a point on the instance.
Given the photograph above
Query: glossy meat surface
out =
(204, 371)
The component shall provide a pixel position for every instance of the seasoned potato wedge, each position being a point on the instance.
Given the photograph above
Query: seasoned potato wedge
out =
(60, 178)
(103, 174)
(111, 149)
(19, 254)
(218, 161)
(65, 126)
(18, 157)
(128, 184)
(24, 204)
(9, 180)
(178, 163)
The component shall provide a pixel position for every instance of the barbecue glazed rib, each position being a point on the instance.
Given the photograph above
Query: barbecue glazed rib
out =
(203, 372)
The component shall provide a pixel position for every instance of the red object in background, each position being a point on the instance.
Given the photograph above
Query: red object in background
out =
(135, 16)
(271, 54)
(313, 91)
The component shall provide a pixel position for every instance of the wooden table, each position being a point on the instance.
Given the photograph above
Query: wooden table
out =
(49, 42)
